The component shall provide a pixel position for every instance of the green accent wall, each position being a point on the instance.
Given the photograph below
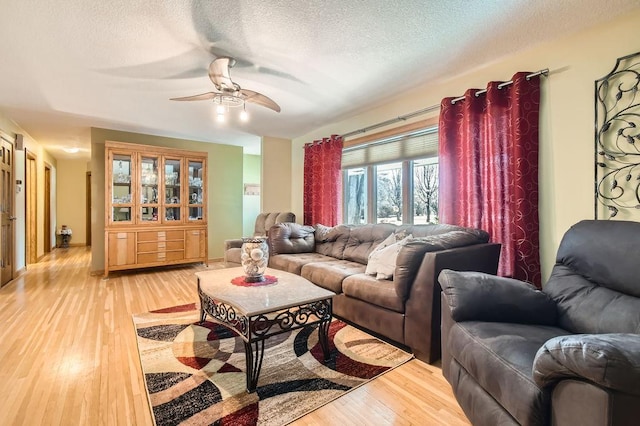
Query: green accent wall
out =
(224, 181)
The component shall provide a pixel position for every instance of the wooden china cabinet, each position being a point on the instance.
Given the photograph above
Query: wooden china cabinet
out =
(156, 206)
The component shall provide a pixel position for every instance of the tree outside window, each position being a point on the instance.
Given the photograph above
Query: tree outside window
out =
(425, 191)
(356, 196)
(389, 193)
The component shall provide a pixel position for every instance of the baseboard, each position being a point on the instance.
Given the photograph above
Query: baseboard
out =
(216, 260)
(74, 245)
(97, 273)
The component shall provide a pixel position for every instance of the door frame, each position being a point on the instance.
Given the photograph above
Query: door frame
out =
(12, 210)
(47, 208)
(31, 212)
(88, 209)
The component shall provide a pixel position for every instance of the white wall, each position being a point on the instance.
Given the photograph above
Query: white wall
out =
(276, 184)
(566, 120)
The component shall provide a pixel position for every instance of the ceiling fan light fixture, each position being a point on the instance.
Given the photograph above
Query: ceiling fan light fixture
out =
(244, 115)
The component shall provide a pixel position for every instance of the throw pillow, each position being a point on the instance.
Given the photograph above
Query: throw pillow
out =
(384, 260)
(322, 232)
(326, 234)
(372, 265)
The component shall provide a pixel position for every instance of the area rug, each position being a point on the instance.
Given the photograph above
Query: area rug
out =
(195, 373)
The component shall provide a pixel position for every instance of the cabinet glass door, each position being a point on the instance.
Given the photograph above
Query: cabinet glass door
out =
(197, 197)
(149, 202)
(172, 190)
(121, 189)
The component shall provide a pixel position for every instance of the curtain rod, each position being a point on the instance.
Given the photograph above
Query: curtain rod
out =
(506, 83)
(431, 108)
(392, 121)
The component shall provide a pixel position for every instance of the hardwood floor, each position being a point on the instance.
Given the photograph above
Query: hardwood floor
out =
(68, 353)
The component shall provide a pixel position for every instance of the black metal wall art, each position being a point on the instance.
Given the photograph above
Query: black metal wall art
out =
(617, 141)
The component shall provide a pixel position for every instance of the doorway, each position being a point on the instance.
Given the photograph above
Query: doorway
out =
(31, 188)
(47, 208)
(88, 216)
(7, 217)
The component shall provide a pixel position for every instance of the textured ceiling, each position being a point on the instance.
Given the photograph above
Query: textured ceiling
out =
(68, 65)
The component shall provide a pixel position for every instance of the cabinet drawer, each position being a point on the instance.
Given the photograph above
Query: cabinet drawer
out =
(160, 256)
(160, 235)
(160, 246)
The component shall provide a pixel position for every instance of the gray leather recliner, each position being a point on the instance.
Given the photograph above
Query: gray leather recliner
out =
(566, 355)
(264, 222)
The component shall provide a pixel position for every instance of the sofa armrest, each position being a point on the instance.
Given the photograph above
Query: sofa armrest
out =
(608, 360)
(235, 243)
(476, 296)
(422, 308)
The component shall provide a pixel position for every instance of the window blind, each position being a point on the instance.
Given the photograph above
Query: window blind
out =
(408, 146)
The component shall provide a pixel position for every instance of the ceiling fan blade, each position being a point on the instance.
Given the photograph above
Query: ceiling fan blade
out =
(219, 73)
(201, 97)
(260, 99)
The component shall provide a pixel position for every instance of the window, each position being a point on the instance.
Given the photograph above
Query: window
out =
(389, 193)
(425, 190)
(392, 180)
(355, 194)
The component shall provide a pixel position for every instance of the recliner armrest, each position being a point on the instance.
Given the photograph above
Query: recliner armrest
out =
(476, 296)
(235, 243)
(608, 360)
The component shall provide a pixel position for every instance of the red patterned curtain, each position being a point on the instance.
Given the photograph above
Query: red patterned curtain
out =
(488, 161)
(323, 181)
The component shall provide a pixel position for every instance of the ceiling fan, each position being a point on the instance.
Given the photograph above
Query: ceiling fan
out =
(229, 94)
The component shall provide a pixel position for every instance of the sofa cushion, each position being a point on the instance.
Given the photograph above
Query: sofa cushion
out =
(264, 222)
(294, 262)
(487, 350)
(608, 263)
(330, 274)
(364, 239)
(333, 241)
(285, 238)
(371, 290)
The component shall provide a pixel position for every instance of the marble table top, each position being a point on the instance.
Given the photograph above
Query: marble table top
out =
(290, 290)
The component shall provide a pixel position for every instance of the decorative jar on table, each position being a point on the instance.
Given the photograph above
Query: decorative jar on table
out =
(254, 258)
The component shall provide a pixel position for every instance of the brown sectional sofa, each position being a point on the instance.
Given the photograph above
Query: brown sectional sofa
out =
(404, 309)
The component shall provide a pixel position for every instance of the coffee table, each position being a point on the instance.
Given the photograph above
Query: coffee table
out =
(259, 312)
